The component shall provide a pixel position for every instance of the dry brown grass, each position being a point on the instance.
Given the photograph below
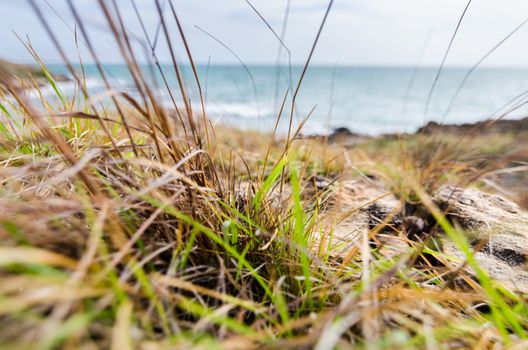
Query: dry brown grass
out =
(128, 225)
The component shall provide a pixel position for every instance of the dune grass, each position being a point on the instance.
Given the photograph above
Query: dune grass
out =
(127, 225)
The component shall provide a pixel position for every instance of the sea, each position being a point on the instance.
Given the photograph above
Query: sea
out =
(366, 100)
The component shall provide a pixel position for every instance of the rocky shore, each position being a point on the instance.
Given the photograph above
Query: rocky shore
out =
(18, 73)
(491, 212)
(348, 138)
(483, 127)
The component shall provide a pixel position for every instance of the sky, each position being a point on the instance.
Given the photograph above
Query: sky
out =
(357, 32)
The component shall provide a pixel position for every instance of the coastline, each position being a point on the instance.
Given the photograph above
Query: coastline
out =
(331, 195)
(348, 138)
(17, 74)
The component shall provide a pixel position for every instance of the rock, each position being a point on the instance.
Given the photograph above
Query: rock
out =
(495, 224)
(345, 137)
(356, 207)
(483, 127)
(495, 227)
(342, 131)
(413, 225)
(478, 210)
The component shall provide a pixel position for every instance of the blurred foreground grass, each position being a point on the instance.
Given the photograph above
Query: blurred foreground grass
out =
(126, 225)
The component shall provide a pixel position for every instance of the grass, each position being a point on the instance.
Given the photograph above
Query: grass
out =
(126, 225)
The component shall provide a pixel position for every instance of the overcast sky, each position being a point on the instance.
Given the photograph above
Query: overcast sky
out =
(358, 32)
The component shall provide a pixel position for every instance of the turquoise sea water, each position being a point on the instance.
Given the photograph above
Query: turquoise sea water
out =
(370, 100)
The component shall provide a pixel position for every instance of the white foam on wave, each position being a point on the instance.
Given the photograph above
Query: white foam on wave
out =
(219, 109)
(69, 88)
(66, 87)
(242, 110)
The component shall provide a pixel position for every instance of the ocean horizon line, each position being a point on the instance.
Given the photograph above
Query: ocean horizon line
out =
(301, 65)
